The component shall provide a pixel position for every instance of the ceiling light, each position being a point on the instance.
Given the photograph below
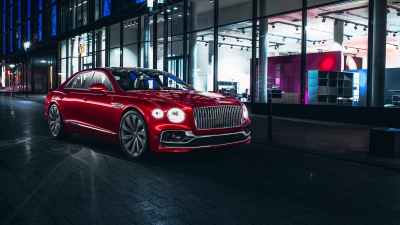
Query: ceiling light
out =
(211, 0)
(168, 10)
(175, 8)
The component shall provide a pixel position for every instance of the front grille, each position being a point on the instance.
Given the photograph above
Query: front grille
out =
(217, 117)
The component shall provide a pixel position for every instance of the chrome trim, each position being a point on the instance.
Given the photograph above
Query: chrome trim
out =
(190, 134)
(89, 127)
(116, 105)
(203, 146)
(218, 117)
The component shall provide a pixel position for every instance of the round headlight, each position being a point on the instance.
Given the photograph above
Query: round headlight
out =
(157, 113)
(176, 115)
(245, 112)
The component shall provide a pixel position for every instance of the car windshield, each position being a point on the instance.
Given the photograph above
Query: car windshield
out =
(146, 79)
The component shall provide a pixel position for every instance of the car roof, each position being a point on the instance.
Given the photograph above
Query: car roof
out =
(133, 69)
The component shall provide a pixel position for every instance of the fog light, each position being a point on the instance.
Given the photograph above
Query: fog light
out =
(173, 136)
(246, 130)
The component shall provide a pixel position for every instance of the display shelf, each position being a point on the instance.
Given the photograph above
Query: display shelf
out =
(326, 87)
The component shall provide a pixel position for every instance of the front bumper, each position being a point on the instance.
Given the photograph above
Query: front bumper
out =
(179, 139)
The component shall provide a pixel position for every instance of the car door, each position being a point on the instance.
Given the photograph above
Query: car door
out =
(99, 111)
(72, 99)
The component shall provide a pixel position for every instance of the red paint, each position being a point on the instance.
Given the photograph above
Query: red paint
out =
(93, 108)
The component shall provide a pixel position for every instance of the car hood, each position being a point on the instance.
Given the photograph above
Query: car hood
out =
(190, 98)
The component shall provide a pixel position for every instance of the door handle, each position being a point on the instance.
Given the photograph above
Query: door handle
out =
(85, 98)
(60, 97)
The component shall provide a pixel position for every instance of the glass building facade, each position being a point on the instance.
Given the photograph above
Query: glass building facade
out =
(317, 52)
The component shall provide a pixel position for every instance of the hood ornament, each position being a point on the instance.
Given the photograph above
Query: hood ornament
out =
(217, 100)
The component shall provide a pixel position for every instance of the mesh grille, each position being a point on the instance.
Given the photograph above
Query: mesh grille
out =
(217, 117)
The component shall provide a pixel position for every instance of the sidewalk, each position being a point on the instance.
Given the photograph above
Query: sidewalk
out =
(339, 140)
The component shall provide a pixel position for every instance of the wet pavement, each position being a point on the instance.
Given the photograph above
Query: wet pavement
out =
(83, 180)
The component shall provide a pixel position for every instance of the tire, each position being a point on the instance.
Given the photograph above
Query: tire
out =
(56, 123)
(133, 135)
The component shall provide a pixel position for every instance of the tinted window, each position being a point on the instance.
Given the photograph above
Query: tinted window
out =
(149, 80)
(100, 77)
(79, 81)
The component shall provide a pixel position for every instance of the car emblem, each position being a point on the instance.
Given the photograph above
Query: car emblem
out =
(217, 99)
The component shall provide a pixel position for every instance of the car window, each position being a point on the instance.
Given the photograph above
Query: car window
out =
(126, 81)
(79, 81)
(149, 80)
(100, 77)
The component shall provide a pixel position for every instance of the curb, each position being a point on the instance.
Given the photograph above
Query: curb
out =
(355, 157)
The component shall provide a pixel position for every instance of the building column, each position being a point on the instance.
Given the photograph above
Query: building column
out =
(146, 40)
(193, 43)
(261, 84)
(337, 45)
(210, 68)
(377, 53)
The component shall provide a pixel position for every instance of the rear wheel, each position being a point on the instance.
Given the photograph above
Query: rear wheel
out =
(56, 123)
(133, 135)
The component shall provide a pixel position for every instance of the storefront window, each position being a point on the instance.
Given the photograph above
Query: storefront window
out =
(130, 39)
(392, 93)
(337, 51)
(202, 58)
(234, 11)
(268, 8)
(100, 46)
(234, 59)
(115, 53)
(200, 14)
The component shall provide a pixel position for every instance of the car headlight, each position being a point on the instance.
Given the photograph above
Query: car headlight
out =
(157, 113)
(245, 112)
(176, 115)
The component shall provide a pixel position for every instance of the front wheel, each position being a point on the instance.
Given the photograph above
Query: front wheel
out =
(133, 135)
(56, 124)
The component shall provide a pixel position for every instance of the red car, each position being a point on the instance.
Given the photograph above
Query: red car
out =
(145, 110)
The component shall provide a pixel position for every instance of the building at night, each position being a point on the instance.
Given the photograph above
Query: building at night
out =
(305, 52)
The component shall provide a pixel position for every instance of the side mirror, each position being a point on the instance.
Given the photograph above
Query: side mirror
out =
(98, 87)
